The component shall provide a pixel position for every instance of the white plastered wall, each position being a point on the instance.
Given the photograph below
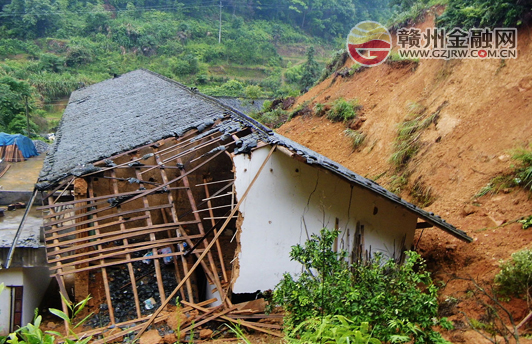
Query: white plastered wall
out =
(292, 200)
(34, 281)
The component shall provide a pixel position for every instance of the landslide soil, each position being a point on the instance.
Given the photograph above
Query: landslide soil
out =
(486, 114)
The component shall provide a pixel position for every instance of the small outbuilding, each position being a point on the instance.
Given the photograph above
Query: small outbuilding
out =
(173, 193)
(16, 147)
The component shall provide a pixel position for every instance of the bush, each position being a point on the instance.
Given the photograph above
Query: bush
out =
(515, 277)
(343, 110)
(186, 65)
(381, 293)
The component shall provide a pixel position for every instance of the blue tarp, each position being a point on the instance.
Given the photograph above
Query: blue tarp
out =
(24, 144)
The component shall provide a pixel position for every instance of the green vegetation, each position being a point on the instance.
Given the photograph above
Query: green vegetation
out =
(422, 194)
(484, 13)
(398, 302)
(515, 277)
(407, 143)
(465, 14)
(343, 110)
(48, 48)
(519, 176)
(32, 333)
(336, 329)
(357, 137)
(526, 222)
(523, 171)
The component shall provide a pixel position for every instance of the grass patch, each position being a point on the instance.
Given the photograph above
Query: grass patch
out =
(407, 144)
(319, 109)
(343, 110)
(422, 194)
(521, 174)
(357, 137)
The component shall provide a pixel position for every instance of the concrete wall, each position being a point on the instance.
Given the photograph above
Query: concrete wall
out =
(292, 200)
(10, 197)
(34, 280)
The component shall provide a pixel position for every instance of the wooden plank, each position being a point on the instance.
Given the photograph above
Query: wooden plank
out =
(211, 318)
(173, 180)
(144, 230)
(216, 182)
(149, 222)
(139, 245)
(110, 238)
(84, 200)
(85, 229)
(104, 271)
(62, 288)
(213, 208)
(65, 189)
(136, 150)
(200, 258)
(193, 149)
(214, 271)
(213, 223)
(4, 170)
(57, 188)
(175, 218)
(256, 316)
(119, 262)
(126, 251)
(122, 333)
(219, 196)
(106, 217)
(219, 217)
(174, 259)
(239, 322)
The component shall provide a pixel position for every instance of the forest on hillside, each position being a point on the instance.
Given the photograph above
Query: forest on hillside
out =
(239, 48)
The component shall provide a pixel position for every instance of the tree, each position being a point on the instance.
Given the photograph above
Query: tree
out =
(13, 93)
(311, 70)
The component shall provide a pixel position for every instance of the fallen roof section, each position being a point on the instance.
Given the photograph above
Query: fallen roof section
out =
(140, 107)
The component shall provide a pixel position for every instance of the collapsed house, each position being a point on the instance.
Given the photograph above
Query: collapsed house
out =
(174, 194)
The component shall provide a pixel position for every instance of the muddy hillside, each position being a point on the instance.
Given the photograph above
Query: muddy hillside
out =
(477, 113)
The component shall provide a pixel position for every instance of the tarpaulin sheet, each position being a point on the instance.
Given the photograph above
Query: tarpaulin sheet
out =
(24, 144)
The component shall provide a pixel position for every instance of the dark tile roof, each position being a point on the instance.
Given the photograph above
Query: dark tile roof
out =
(141, 106)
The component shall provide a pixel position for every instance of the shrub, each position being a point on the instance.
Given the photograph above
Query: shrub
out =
(343, 110)
(515, 276)
(185, 65)
(381, 293)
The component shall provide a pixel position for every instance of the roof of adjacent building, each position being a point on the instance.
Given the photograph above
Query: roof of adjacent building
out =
(140, 107)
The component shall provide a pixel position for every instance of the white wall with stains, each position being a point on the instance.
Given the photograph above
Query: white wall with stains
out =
(292, 200)
(35, 282)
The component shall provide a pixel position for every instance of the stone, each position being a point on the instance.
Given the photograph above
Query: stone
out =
(151, 337)
(51, 325)
(468, 210)
(205, 333)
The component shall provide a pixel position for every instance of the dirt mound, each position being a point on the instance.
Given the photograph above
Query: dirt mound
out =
(484, 113)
